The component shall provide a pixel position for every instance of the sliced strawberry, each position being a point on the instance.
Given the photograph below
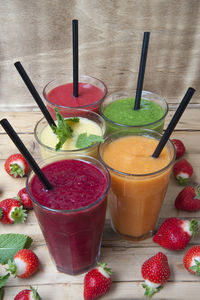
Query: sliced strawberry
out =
(97, 282)
(182, 171)
(175, 233)
(156, 272)
(24, 198)
(11, 211)
(28, 295)
(188, 199)
(180, 148)
(24, 264)
(191, 260)
(16, 165)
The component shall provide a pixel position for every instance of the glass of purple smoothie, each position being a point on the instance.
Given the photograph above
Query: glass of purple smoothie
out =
(59, 92)
(72, 214)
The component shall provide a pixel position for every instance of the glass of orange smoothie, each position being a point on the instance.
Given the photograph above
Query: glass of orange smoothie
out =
(138, 181)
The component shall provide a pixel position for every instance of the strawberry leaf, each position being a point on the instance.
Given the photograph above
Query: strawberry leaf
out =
(1, 213)
(35, 294)
(150, 291)
(11, 243)
(3, 280)
(16, 170)
(85, 140)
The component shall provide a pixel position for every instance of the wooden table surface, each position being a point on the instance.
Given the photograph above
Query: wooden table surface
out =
(124, 257)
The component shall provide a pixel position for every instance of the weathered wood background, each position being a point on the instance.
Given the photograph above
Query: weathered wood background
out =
(38, 33)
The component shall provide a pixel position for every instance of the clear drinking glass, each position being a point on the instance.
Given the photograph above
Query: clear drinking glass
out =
(73, 236)
(135, 200)
(47, 140)
(92, 91)
(115, 125)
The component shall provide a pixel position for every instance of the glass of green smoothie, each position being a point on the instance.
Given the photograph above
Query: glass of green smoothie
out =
(117, 109)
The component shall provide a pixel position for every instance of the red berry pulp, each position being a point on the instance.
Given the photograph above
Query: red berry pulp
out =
(73, 237)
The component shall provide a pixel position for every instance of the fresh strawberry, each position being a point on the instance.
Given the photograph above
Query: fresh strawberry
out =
(180, 148)
(191, 260)
(156, 272)
(11, 211)
(16, 165)
(97, 282)
(28, 295)
(24, 198)
(182, 171)
(188, 199)
(175, 233)
(24, 264)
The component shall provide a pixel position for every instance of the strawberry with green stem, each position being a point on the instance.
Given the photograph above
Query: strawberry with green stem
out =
(182, 171)
(16, 165)
(188, 199)
(12, 212)
(156, 272)
(24, 264)
(97, 282)
(26, 294)
(191, 260)
(175, 233)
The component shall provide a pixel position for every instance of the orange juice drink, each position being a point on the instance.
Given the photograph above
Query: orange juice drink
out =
(138, 181)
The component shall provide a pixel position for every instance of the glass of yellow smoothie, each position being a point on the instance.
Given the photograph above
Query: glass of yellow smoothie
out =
(118, 111)
(84, 129)
(138, 181)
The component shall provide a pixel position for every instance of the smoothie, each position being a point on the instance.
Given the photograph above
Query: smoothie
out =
(49, 139)
(72, 215)
(59, 93)
(138, 182)
(119, 112)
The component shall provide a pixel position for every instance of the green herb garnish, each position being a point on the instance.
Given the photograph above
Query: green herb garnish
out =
(62, 130)
(85, 140)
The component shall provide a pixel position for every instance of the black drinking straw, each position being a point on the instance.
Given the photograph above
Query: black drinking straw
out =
(141, 70)
(34, 93)
(75, 57)
(32, 163)
(182, 106)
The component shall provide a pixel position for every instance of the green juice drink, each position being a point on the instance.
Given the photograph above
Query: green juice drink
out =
(117, 110)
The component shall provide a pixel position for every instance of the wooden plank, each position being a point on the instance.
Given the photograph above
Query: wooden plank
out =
(118, 258)
(118, 291)
(24, 122)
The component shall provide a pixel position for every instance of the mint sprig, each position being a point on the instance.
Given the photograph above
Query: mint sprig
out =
(11, 243)
(62, 130)
(85, 140)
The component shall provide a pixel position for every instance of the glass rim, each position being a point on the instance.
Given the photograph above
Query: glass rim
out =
(82, 106)
(134, 126)
(172, 159)
(68, 151)
(104, 171)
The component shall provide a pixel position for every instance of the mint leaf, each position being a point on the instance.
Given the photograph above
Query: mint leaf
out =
(11, 243)
(1, 293)
(85, 140)
(3, 280)
(62, 130)
(75, 119)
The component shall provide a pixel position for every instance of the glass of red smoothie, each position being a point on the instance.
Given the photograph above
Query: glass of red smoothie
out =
(138, 181)
(89, 122)
(59, 92)
(117, 110)
(72, 214)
